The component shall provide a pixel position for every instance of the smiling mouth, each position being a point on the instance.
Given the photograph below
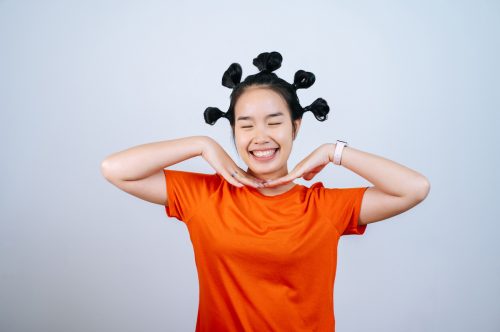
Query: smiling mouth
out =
(264, 155)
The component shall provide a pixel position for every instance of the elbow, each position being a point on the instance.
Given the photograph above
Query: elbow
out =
(106, 169)
(422, 189)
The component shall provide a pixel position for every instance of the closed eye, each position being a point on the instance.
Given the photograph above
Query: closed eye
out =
(271, 124)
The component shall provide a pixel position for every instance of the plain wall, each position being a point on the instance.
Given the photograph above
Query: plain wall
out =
(416, 82)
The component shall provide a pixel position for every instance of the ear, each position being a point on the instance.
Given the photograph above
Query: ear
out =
(297, 127)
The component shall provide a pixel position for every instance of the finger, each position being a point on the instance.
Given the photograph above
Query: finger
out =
(248, 179)
(231, 178)
(258, 180)
(297, 172)
(309, 176)
(312, 173)
(253, 178)
(279, 181)
(273, 183)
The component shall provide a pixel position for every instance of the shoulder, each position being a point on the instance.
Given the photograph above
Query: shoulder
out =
(317, 188)
(336, 194)
(189, 174)
(192, 178)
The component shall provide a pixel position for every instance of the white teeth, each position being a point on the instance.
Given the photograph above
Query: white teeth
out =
(266, 153)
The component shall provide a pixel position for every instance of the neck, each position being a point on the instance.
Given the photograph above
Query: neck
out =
(271, 191)
(268, 176)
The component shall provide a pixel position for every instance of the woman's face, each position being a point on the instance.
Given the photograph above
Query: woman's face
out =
(263, 123)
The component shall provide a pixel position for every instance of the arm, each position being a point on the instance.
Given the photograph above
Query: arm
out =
(139, 170)
(396, 189)
(142, 161)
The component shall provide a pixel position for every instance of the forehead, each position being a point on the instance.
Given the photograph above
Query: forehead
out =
(259, 102)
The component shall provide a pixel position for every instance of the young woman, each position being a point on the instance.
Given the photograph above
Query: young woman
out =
(265, 247)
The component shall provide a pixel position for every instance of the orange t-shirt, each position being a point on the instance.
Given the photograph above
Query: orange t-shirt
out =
(265, 263)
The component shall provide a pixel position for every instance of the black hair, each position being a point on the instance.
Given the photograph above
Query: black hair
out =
(267, 63)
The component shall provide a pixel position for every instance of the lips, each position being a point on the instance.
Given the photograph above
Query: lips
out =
(263, 155)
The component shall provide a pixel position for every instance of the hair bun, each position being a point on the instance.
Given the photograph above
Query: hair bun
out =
(268, 62)
(232, 76)
(303, 79)
(212, 114)
(319, 108)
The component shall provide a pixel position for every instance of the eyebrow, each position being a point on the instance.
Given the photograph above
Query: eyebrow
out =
(267, 116)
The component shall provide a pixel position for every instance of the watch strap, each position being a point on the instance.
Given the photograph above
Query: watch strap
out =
(337, 155)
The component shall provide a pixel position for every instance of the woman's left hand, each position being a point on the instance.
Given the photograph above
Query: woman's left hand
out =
(307, 168)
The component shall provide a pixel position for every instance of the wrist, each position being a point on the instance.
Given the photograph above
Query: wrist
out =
(331, 149)
(204, 143)
(335, 154)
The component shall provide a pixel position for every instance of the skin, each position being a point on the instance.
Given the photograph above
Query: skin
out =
(395, 187)
(262, 131)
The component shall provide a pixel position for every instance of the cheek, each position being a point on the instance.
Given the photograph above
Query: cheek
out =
(285, 136)
(241, 142)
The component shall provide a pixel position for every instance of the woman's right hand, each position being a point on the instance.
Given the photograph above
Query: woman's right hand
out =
(218, 158)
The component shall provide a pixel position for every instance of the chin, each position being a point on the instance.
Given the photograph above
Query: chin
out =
(265, 170)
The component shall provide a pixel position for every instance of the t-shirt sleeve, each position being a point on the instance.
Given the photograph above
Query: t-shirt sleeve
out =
(345, 207)
(187, 191)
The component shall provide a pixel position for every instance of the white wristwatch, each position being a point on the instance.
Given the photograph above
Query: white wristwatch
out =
(337, 155)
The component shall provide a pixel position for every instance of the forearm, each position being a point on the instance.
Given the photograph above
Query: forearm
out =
(388, 176)
(141, 161)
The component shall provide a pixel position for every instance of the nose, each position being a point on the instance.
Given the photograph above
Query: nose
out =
(260, 135)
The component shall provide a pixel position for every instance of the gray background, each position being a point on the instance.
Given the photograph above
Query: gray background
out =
(416, 82)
